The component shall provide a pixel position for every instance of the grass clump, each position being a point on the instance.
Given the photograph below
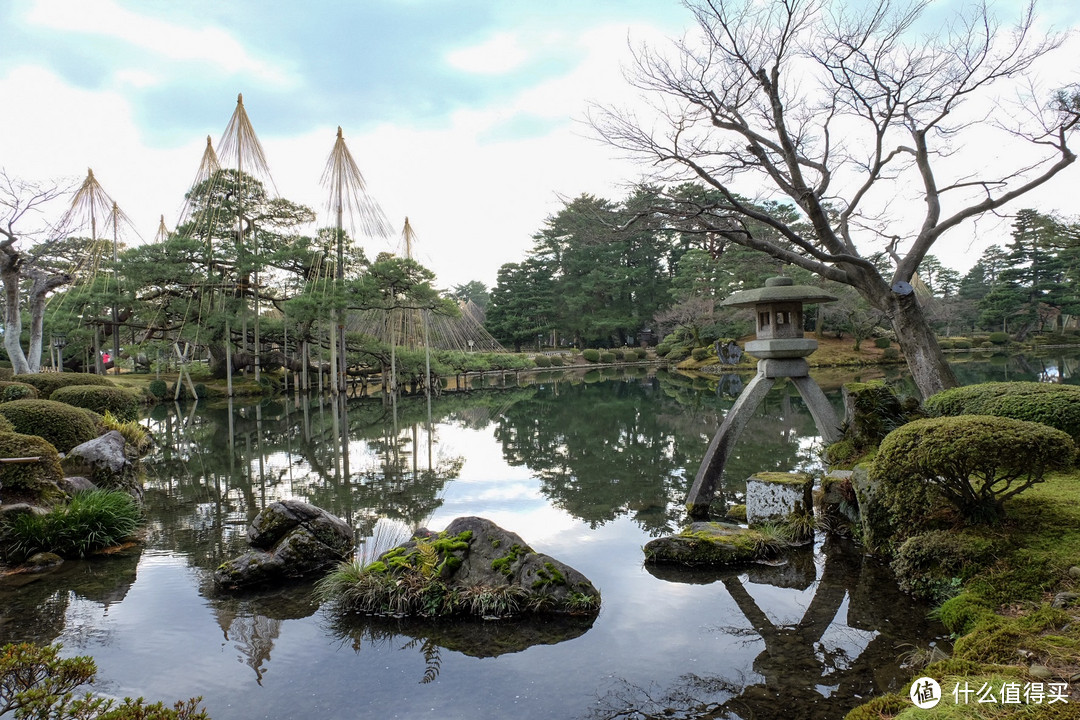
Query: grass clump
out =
(134, 434)
(89, 521)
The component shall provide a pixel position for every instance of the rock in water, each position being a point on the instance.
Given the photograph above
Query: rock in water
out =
(473, 567)
(291, 540)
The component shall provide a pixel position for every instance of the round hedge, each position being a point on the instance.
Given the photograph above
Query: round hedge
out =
(123, 404)
(975, 461)
(48, 383)
(10, 390)
(591, 355)
(1055, 405)
(542, 361)
(34, 482)
(62, 425)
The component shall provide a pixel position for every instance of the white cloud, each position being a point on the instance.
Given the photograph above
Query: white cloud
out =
(174, 42)
(136, 78)
(500, 54)
(60, 131)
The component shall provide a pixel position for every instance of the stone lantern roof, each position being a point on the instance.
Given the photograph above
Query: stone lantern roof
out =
(778, 289)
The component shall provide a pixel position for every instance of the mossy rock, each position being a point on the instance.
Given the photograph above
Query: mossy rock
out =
(48, 383)
(872, 410)
(711, 544)
(934, 564)
(120, 402)
(36, 483)
(10, 390)
(62, 425)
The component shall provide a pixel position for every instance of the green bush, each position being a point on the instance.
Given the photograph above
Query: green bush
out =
(962, 344)
(663, 349)
(557, 361)
(35, 682)
(986, 344)
(999, 338)
(946, 344)
(159, 388)
(542, 361)
(1050, 404)
(6, 426)
(976, 462)
(882, 342)
(29, 481)
(89, 521)
(48, 383)
(17, 391)
(932, 566)
(607, 357)
(699, 354)
(591, 355)
(120, 402)
(890, 353)
(62, 425)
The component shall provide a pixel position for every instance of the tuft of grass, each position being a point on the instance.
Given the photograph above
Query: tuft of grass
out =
(134, 434)
(89, 521)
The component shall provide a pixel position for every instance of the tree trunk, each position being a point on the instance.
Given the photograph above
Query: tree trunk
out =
(13, 321)
(925, 360)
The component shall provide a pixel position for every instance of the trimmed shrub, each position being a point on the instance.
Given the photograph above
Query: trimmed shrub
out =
(946, 344)
(999, 338)
(607, 357)
(962, 344)
(48, 383)
(882, 342)
(89, 521)
(1050, 404)
(6, 426)
(62, 425)
(159, 388)
(699, 354)
(890, 353)
(542, 361)
(591, 355)
(932, 566)
(557, 361)
(17, 391)
(976, 462)
(120, 402)
(986, 345)
(30, 481)
(663, 349)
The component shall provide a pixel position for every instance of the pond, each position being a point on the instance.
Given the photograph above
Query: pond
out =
(586, 469)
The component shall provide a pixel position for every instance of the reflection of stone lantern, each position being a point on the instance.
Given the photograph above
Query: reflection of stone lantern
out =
(781, 350)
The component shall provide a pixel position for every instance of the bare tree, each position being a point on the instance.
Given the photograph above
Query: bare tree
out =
(847, 114)
(19, 200)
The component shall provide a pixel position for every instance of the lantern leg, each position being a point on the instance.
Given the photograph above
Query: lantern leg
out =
(712, 465)
(820, 409)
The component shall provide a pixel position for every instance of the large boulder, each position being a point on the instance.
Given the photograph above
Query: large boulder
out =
(473, 567)
(290, 540)
(108, 462)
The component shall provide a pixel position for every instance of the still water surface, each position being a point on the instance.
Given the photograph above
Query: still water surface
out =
(586, 470)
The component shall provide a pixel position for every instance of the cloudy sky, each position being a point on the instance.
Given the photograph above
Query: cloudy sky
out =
(464, 115)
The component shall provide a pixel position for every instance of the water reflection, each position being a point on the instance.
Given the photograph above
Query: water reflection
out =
(585, 468)
(850, 618)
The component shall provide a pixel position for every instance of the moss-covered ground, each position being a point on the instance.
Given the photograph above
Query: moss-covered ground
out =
(1007, 632)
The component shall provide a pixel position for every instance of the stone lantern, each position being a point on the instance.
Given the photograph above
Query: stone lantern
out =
(781, 350)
